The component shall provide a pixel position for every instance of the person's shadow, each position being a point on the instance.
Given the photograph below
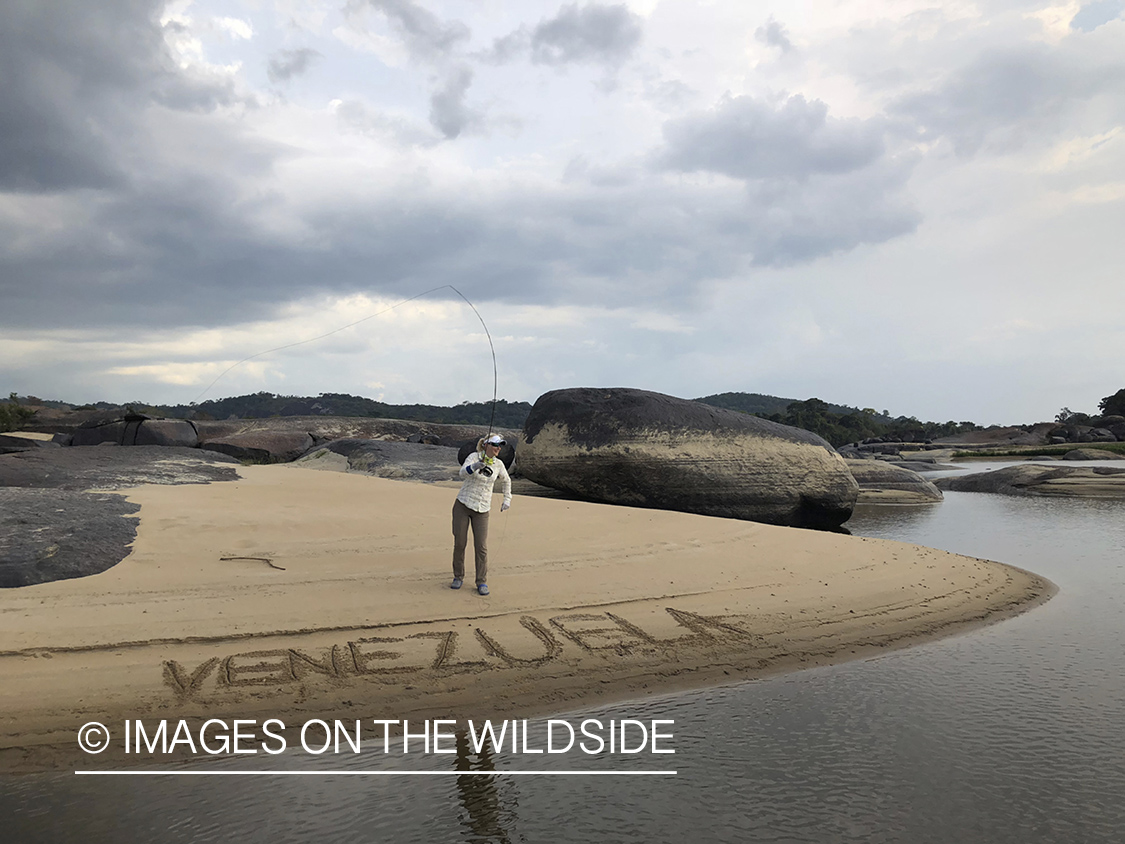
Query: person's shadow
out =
(480, 795)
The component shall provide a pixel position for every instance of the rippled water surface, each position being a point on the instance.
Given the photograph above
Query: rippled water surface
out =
(1011, 733)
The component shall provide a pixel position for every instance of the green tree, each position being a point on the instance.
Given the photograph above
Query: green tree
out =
(13, 415)
(1113, 405)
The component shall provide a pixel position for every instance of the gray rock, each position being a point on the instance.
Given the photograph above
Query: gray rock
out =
(113, 467)
(10, 444)
(1092, 454)
(916, 465)
(169, 432)
(887, 483)
(633, 447)
(1039, 434)
(106, 432)
(399, 460)
(1029, 479)
(262, 446)
(54, 534)
(1101, 435)
(328, 428)
(138, 430)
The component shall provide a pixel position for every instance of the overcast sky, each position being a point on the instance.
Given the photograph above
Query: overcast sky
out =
(910, 206)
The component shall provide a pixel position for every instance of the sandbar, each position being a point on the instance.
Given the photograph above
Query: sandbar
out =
(335, 602)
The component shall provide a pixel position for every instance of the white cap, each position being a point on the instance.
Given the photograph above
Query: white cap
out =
(495, 439)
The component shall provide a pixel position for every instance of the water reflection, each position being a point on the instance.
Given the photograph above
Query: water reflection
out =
(488, 820)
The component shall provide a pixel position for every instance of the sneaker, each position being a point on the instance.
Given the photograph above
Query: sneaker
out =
(456, 584)
(482, 588)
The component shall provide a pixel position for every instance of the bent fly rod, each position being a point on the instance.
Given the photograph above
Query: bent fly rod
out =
(492, 348)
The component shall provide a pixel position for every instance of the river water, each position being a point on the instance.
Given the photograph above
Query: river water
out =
(1010, 733)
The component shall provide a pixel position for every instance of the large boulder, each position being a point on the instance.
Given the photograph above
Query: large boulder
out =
(1092, 454)
(385, 459)
(138, 429)
(171, 432)
(262, 446)
(1100, 435)
(643, 449)
(98, 433)
(887, 483)
(1030, 479)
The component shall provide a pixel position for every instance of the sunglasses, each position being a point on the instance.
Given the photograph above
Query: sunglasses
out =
(497, 445)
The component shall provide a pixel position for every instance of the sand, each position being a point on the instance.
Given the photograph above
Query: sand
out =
(338, 605)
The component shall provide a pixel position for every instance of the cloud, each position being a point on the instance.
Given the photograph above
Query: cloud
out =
(773, 34)
(427, 37)
(286, 64)
(394, 129)
(448, 111)
(592, 33)
(76, 75)
(1005, 96)
(747, 138)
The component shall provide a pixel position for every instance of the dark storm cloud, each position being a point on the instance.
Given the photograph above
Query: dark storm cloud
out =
(426, 36)
(448, 112)
(1004, 97)
(814, 184)
(774, 34)
(591, 33)
(191, 225)
(750, 139)
(286, 64)
(73, 74)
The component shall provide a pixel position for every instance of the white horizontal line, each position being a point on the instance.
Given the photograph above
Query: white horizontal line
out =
(377, 773)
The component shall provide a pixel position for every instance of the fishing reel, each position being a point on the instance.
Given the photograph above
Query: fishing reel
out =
(486, 471)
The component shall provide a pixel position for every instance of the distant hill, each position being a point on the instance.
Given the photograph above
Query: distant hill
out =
(766, 405)
(837, 423)
(508, 414)
(264, 405)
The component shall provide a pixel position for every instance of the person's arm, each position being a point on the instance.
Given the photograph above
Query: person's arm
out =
(470, 466)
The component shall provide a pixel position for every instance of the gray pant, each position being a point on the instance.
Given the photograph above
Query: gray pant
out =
(462, 518)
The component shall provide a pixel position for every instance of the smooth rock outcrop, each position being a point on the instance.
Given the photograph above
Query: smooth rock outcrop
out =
(643, 449)
(1029, 479)
(113, 467)
(55, 534)
(138, 430)
(1092, 454)
(262, 446)
(886, 483)
(384, 459)
(11, 444)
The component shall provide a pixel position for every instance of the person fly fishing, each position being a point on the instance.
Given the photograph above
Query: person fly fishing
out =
(480, 471)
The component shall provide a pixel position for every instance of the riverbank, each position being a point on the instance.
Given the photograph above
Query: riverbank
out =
(334, 602)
